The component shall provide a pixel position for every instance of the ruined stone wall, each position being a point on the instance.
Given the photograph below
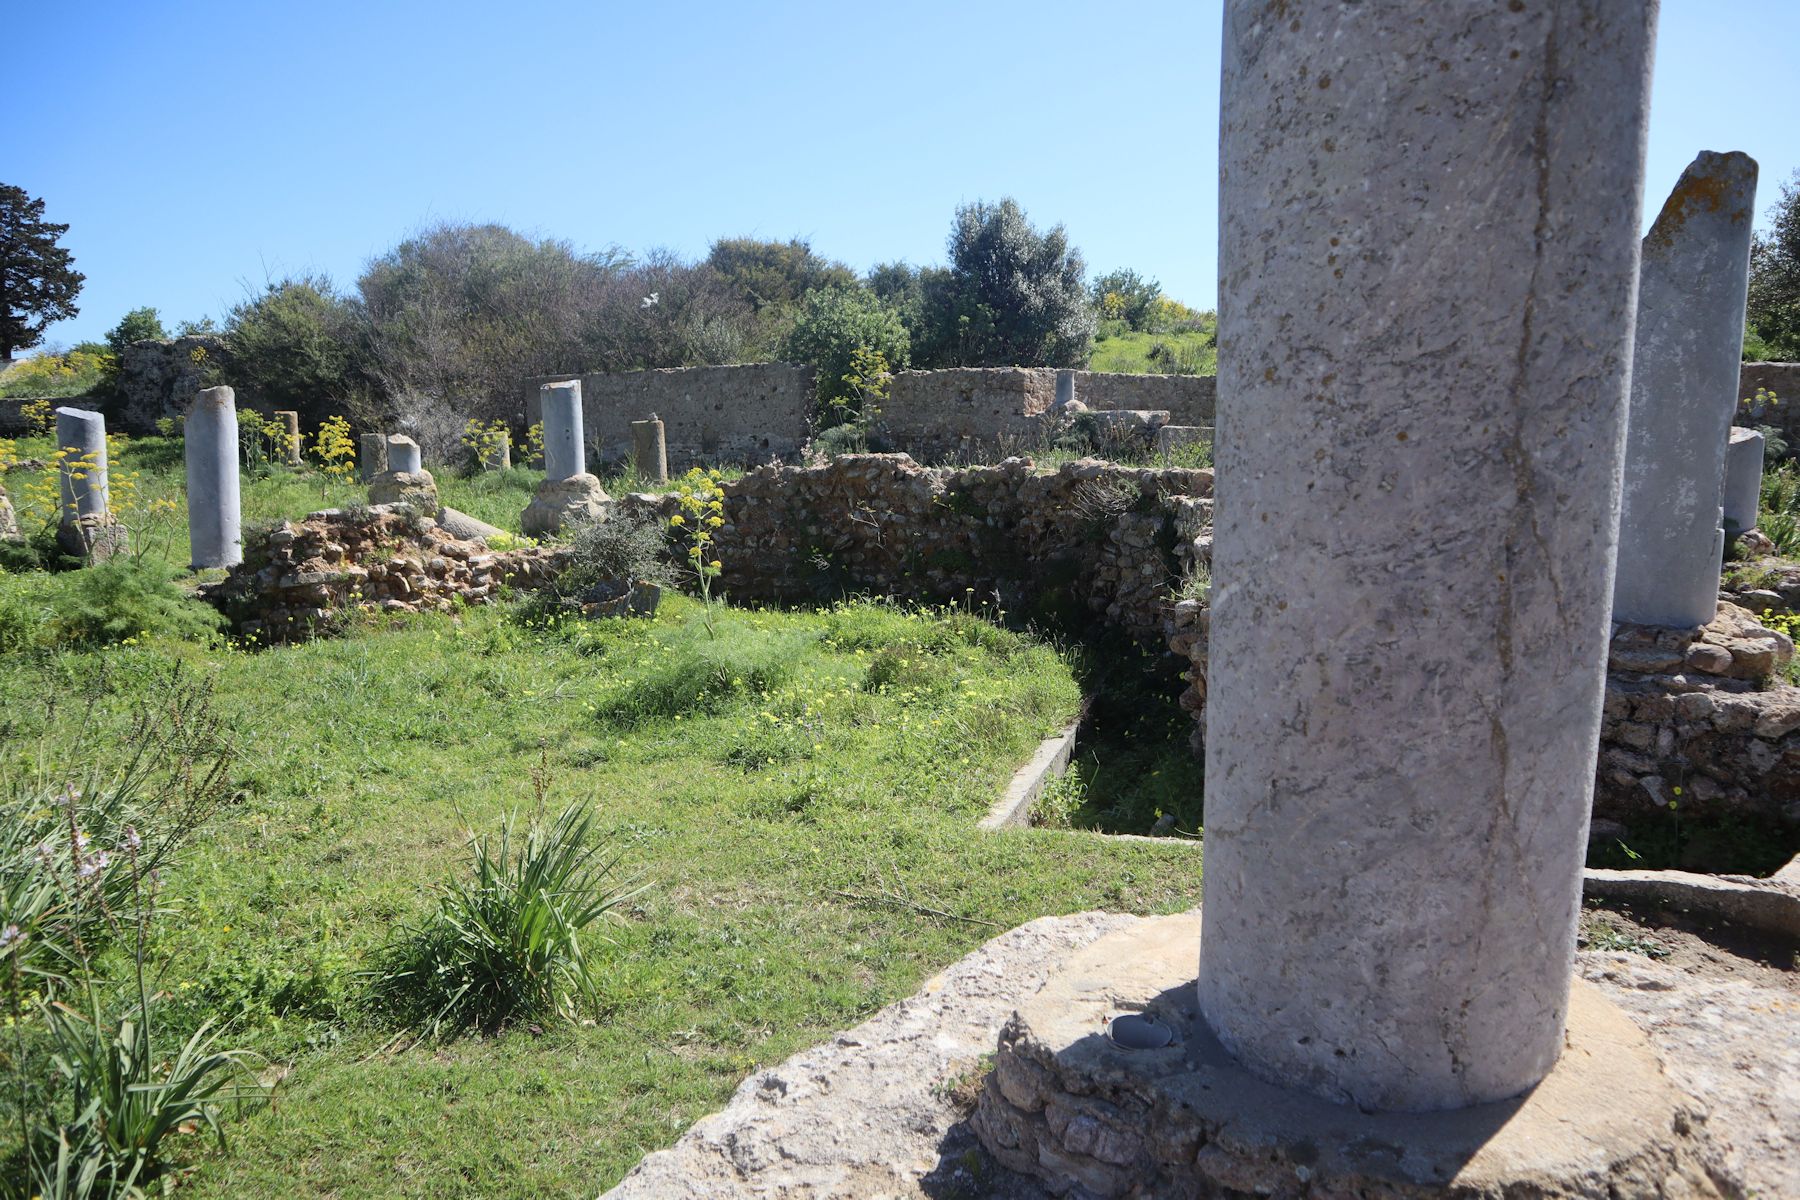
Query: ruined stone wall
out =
(967, 413)
(304, 578)
(1784, 380)
(159, 379)
(1091, 543)
(740, 414)
(1189, 399)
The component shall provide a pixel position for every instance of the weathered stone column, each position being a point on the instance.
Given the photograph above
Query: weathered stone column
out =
(568, 494)
(565, 455)
(1065, 388)
(85, 527)
(1743, 480)
(1428, 249)
(499, 456)
(650, 450)
(1684, 382)
(371, 459)
(403, 455)
(290, 425)
(210, 442)
(406, 481)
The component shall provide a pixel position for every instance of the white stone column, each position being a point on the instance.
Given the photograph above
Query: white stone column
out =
(1428, 251)
(290, 427)
(1743, 480)
(1684, 392)
(82, 435)
(565, 456)
(403, 455)
(210, 443)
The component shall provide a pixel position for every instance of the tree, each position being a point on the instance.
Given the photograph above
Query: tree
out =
(295, 346)
(775, 274)
(833, 326)
(1773, 318)
(138, 325)
(1011, 296)
(1126, 296)
(38, 279)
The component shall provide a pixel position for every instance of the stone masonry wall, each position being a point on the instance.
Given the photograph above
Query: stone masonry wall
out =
(1189, 399)
(1092, 542)
(160, 379)
(745, 414)
(971, 413)
(1784, 380)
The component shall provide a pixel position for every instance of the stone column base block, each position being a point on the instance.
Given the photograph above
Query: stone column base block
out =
(1068, 1105)
(92, 538)
(416, 488)
(9, 524)
(1171, 437)
(462, 525)
(563, 502)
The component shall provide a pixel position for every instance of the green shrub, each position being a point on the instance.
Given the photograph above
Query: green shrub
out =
(620, 549)
(506, 943)
(834, 324)
(111, 601)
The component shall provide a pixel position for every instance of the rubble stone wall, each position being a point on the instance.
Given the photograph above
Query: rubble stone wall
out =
(741, 414)
(1188, 399)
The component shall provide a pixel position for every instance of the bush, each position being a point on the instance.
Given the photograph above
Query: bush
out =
(834, 325)
(621, 549)
(296, 346)
(506, 943)
(99, 605)
(58, 375)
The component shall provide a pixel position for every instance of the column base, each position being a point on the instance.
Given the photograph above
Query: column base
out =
(1069, 1105)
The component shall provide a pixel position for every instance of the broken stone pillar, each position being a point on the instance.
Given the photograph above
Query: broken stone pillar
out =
(564, 452)
(9, 525)
(1171, 438)
(1065, 388)
(86, 528)
(1684, 390)
(210, 442)
(499, 455)
(1743, 480)
(568, 494)
(1428, 247)
(372, 456)
(290, 426)
(650, 450)
(406, 481)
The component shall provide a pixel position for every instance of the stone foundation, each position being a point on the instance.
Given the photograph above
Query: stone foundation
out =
(305, 578)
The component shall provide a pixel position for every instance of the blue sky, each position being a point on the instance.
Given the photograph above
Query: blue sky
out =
(198, 149)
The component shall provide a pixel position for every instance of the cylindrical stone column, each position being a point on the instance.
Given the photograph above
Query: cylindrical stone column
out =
(290, 425)
(1743, 480)
(81, 435)
(650, 450)
(1065, 388)
(564, 453)
(403, 455)
(215, 529)
(499, 455)
(372, 456)
(1428, 249)
(1684, 392)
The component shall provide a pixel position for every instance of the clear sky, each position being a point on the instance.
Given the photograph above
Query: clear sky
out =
(199, 149)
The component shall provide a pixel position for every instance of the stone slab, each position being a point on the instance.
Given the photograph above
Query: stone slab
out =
(1028, 782)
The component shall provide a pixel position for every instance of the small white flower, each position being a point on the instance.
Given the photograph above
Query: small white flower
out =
(46, 853)
(82, 839)
(133, 843)
(92, 866)
(9, 935)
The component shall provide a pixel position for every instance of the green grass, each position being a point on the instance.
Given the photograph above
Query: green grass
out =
(800, 793)
(1137, 354)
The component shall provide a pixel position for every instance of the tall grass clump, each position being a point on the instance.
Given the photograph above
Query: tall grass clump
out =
(504, 942)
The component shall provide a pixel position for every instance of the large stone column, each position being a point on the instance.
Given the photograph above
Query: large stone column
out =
(85, 527)
(215, 529)
(1684, 392)
(372, 459)
(568, 495)
(564, 453)
(1428, 252)
(290, 431)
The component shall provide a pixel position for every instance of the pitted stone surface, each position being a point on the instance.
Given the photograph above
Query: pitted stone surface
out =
(1684, 378)
(1428, 243)
(210, 444)
(560, 503)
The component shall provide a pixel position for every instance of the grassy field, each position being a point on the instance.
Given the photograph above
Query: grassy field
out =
(1156, 353)
(799, 792)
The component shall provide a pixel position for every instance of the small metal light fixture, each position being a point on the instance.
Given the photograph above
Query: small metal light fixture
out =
(1139, 1031)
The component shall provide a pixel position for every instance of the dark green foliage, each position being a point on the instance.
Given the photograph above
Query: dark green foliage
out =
(1126, 296)
(775, 274)
(99, 605)
(833, 324)
(841, 439)
(38, 279)
(296, 346)
(618, 550)
(1774, 309)
(1011, 297)
(505, 943)
(138, 325)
